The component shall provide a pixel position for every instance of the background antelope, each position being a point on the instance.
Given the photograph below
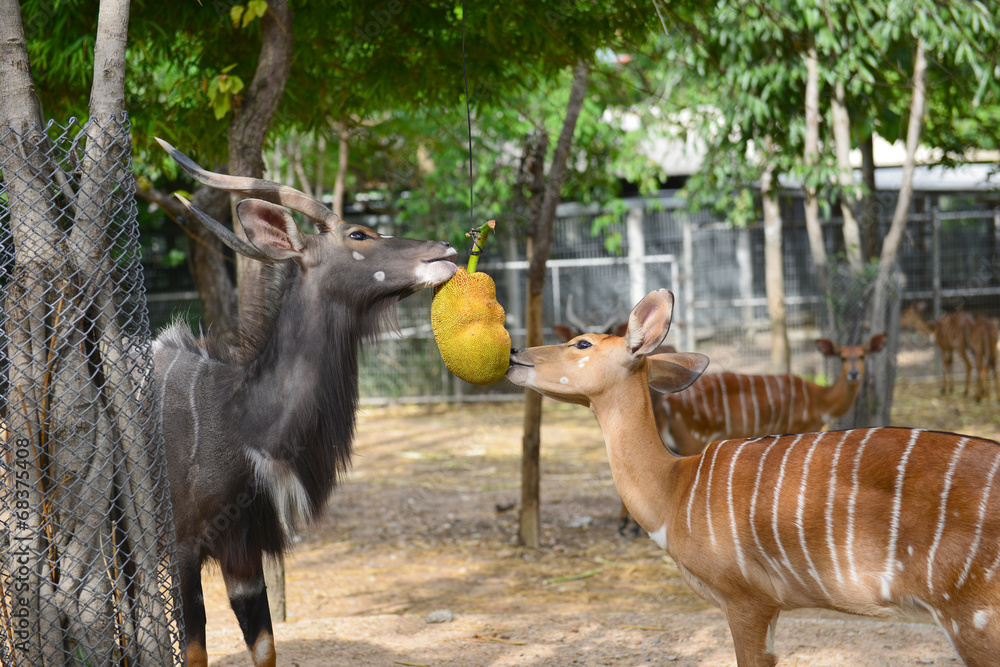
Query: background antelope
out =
(982, 335)
(880, 522)
(950, 333)
(257, 433)
(731, 405)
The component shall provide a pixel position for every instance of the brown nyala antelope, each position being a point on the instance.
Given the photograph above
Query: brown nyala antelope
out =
(730, 405)
(951, 334)
(882, 522)
(257, 433)
(982, 334)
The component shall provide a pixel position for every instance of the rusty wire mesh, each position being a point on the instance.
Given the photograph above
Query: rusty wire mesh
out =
(85, 520)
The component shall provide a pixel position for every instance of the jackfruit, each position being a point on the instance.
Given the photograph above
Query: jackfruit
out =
(467, 322)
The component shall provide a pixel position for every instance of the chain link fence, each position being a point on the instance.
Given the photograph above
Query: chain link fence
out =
(86, 528)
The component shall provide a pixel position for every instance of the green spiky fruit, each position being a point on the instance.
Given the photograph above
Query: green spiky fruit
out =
(468, 326)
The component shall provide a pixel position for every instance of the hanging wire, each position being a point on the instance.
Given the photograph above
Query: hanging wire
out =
(468, 116)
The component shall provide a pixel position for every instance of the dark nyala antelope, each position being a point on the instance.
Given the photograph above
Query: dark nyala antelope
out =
(731, 405)
(257, 433)
(881, 522)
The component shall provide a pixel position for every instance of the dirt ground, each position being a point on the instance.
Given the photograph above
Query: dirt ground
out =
(426, 521)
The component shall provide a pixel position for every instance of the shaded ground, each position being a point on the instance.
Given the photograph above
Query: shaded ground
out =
(416, 528)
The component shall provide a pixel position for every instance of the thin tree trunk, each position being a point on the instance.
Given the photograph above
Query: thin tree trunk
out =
(320, 174)
(814, 230)
(249, 124)
(842, 140)
(774, 278)
(890, 246)
(340, 183)
(869, 202)
(542, 244)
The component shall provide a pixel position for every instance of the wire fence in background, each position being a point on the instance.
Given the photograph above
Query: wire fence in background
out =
(87, 532)
(950, 258)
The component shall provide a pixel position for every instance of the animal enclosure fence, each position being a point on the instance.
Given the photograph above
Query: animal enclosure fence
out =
(950, 258)
(86, 528)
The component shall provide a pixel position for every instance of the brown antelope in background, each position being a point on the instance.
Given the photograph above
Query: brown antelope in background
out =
(882, 522)
(951, 335)
(983, 343)
(257, 433)
(730, 405)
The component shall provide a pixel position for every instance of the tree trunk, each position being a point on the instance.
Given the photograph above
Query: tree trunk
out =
(205, 255)
(869, 202)
(842, 140)
(542, 227)
(890, 246)
(248, 126)
(91, 526)
(340, 183)
(814, 230)
(774, 277)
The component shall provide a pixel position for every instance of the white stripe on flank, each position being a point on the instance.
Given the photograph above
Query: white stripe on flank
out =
(694, 489)
(753, 510)
(799, 510)
(194, 408)
(830, 497)
(163, 385)
(897, 503)
(725, 402)
(943, 512)
(851, 504)
(774, 510)
(708, 492)
(732, 514)
(979, 526)
(756, 406)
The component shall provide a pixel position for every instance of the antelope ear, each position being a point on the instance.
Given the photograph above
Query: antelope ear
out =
(876, 342)
(563, 332)
(270, 229)
(827, 347)
(649, 322)
(674, 371)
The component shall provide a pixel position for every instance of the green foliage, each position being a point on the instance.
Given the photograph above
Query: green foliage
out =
(242, 16)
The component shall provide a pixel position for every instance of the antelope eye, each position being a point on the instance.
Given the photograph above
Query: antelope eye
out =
(359, 235)
(583, 344)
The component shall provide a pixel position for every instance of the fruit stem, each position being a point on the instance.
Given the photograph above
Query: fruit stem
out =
(478, 238)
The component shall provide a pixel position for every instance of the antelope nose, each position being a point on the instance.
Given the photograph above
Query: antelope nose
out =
(514, 351)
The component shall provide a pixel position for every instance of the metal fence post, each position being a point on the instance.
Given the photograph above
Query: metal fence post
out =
(687, 281)
(636, 251)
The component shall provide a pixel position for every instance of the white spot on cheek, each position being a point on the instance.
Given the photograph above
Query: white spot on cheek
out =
(981, 618)
(583, 362)
(358, 255)
(380, 276)
(563, 380)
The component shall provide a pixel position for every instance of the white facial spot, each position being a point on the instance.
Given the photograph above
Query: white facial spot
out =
(583, 362)
(954, 627)
(981, 618)
(563, 380)
(358, 255)
(380, 276)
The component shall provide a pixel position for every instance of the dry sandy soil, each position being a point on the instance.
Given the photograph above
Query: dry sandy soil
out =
(422, 523)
